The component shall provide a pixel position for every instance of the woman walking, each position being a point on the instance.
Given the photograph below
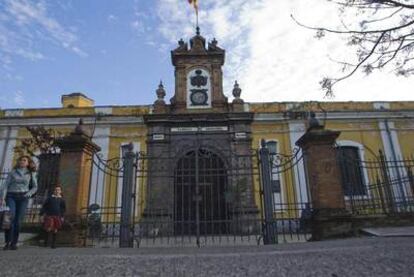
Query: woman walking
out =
(20, 185)
(54, 208)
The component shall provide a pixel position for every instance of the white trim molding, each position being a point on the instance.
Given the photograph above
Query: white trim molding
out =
(392, 152)
(8, 143)
(97, 187)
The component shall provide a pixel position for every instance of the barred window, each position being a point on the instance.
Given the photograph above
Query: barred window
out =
(48, 173)
(351, 171)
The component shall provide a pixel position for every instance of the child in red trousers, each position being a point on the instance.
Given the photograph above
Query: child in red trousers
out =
(53, 210)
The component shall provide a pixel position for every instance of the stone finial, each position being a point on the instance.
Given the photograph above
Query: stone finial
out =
(80, 129)
(159, 104)
(237, 101)
(213, 46)
(314, 122)
(160, 92)
(236, 90)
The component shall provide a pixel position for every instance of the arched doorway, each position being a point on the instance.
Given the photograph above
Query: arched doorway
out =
(200, 182)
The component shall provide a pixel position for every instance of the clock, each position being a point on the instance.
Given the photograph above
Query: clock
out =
(198, 89)
(198, 97)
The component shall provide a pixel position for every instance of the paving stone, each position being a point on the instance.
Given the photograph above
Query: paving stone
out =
(373, 256)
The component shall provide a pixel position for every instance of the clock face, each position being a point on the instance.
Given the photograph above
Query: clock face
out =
(198, 96)
(198, 89)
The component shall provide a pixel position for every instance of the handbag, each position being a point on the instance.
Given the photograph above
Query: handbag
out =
(5, 218)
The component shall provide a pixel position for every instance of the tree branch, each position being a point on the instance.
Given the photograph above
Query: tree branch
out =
(353, 31)
(394, 3)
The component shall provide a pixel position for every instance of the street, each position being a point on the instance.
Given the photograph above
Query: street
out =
(371, 256)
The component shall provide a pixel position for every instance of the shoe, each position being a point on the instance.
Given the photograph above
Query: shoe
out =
(13, 247)
(6, 247)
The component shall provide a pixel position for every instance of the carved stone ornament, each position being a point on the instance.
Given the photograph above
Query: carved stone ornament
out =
(236, 90)
(160, 91)
(199, 80)
(237, 101)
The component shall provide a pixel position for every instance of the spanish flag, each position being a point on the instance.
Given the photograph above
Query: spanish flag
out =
(195, 4)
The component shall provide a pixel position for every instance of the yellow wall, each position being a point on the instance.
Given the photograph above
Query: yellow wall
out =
(58, 112)
(120, 135)
(280, 133)
(366, 133)
(363, 131)
(76, 101)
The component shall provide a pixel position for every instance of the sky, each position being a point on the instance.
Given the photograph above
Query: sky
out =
(117, 51)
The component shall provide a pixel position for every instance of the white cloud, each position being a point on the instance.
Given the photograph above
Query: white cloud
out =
(271, 56)
(25, 24)
(112, 18)
(18, 98)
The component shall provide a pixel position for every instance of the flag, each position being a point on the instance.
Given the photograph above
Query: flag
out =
(195, 4)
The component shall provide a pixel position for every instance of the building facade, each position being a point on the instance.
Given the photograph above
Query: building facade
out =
(201, 134)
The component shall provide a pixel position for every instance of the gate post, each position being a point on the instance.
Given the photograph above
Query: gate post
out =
(75, 169)
(329, 216)
(126, 238)
(269, 232)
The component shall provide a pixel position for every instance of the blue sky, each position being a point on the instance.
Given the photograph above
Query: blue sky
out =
(116, 51)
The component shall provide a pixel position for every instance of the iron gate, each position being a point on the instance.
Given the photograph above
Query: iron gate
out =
(202, 197)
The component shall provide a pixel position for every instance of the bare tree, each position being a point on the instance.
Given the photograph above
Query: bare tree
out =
(382, 33)
(41, 140)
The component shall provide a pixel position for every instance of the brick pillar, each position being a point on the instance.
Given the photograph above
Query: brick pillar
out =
(329, 217)
(75, 171)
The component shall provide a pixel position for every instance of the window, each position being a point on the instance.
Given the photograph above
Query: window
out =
(47, 173)
(351, 171)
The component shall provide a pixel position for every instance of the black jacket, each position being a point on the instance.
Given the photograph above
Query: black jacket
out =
(53, 206)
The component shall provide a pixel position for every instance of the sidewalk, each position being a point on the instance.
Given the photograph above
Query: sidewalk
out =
(373, 256)
(390, 231)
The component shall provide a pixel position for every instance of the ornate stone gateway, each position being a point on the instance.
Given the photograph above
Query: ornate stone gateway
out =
(200, 179)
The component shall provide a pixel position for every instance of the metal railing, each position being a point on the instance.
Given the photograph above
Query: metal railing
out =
(380, 186)
(201, 198)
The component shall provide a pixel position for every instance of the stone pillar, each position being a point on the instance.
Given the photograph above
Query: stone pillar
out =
(329, 217)
(75, 171)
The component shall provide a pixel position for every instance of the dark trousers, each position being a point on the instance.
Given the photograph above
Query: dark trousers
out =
(17, 203)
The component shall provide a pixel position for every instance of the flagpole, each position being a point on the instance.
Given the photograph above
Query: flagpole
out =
(194, 3)
(197, 27)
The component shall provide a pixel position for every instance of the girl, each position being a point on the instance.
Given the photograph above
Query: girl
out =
(54, 208)
(20, 185)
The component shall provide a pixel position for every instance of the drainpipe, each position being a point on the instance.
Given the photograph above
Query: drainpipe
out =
(395, 160)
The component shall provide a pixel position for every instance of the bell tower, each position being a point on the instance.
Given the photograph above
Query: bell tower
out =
(198, 77)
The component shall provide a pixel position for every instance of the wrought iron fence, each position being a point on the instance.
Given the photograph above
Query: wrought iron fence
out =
(199, 198)
(377, 187)
(291, 203)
